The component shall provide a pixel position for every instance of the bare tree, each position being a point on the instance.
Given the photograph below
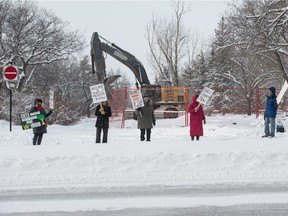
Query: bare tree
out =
(272, 21)
(167, 41)
(31, 36)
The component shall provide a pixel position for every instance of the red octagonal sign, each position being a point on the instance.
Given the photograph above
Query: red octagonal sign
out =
(10, 73)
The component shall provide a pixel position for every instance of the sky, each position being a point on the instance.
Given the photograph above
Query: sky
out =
(124, 23)
(231, 153)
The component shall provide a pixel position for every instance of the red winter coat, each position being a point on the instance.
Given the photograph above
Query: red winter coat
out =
(196, 117)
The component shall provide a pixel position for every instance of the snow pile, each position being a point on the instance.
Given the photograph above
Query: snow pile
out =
(232, 150)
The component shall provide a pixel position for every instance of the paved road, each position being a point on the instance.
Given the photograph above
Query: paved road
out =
(226, 192)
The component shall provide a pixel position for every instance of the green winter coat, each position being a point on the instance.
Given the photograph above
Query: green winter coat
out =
(146, 120)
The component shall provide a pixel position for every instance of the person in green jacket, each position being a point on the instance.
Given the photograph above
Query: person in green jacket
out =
(146, 118)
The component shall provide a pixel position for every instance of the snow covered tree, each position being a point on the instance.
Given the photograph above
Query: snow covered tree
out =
(32, 36)
(198, 75)
(238, 58)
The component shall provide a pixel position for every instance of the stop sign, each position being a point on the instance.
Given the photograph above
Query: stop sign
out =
(10, 73)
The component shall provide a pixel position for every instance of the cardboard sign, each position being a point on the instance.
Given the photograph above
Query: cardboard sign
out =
(136, 98)
(51, 99)
(282, 92)
(32, 120)
(98, 93)
(205, 95)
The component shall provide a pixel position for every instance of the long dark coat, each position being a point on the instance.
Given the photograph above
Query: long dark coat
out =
(196, 118)
(103, 120)
(42, 129)
(148, 117)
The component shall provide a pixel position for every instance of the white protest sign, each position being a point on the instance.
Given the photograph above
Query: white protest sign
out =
(282, 92)
(51, 99)
(98, 93)
(205, 95)
(136, 98)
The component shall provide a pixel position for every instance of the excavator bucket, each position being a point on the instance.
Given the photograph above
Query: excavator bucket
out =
(109, 80)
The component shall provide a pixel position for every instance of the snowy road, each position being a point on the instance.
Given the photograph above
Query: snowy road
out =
(222, 199)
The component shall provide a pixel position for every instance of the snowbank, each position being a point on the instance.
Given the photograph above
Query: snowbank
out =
(232, 150)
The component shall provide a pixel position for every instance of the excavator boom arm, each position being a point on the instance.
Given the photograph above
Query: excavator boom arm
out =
(98, 61)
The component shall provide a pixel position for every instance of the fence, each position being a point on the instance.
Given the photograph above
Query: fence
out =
(173, 103)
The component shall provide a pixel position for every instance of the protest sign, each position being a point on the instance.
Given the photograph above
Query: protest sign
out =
(136, 98)
(32, 120)
(51, 99)
(282, 92)
(98, 93)
(205, 95)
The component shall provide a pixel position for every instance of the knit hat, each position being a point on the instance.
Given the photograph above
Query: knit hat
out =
(37, 100)
(273, 90)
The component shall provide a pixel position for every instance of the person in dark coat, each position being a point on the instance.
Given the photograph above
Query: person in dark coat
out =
(197, 117)
(146, 119)
(270, 113)
(103, 112)
(39, 131)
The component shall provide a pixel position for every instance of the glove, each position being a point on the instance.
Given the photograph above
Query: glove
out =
(139, 111)
(204, 121)
(101, 109)
(103, 112)
(154, 123)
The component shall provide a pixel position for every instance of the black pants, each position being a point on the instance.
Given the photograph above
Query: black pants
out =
(37, 139)
(98, 134)
(192, 138)
(148, 134)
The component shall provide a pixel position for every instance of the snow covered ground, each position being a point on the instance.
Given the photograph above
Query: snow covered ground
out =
(231, 152)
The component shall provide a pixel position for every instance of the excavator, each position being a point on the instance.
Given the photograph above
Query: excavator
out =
(167, 99)
(99, 67)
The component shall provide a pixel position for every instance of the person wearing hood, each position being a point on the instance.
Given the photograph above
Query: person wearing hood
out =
(270, 113)
(39, 131)
(146, 119)
(197, 118)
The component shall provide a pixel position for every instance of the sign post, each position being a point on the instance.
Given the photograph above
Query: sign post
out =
(10, 75)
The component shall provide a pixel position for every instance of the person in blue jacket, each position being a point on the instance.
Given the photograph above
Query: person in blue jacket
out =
(270, 113)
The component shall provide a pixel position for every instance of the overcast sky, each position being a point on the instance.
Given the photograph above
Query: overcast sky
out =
(124, 22)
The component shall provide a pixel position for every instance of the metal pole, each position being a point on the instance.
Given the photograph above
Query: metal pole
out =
(10, 110)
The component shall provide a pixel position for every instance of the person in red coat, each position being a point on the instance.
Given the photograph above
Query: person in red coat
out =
(197, 117)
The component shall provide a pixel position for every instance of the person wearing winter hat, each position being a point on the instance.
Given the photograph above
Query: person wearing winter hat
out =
(146, 118)
(103, 112)
(197, 118)
(39, 131)
(270, 113)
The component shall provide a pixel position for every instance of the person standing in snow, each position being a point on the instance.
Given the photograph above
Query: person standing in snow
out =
(103, 112)
(146, 118)
(270, 113)
(197, 116)
(39, 131)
